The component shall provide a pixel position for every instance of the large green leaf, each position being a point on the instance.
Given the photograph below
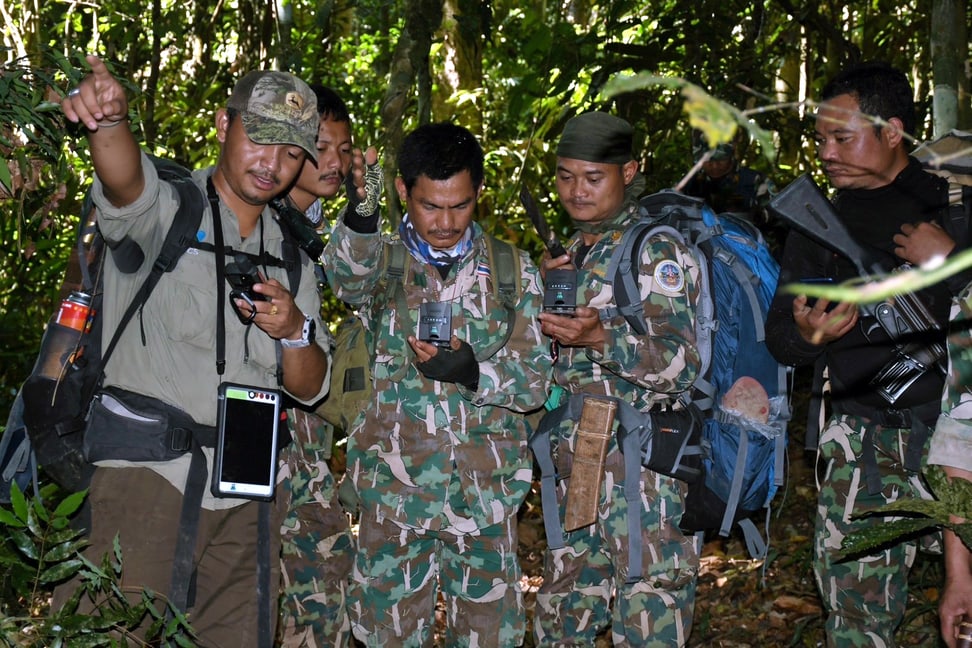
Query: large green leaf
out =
(881, 535)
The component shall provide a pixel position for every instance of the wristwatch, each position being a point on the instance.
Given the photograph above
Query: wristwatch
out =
(306, 336)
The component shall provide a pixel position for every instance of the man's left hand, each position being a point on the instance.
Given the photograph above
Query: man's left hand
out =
(921, 243)
(456, 364)
(279, 317)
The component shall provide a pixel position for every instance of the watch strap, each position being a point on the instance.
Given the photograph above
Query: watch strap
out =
(305, 336)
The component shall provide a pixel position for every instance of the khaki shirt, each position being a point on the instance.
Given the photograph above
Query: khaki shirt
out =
(177, 362)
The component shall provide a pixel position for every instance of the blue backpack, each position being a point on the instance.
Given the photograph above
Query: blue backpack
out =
(742, 454)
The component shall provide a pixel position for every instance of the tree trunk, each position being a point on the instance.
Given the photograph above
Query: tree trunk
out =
(152, 83)
(286, 57)
(466, 22)
(410, 65)
(949, 48)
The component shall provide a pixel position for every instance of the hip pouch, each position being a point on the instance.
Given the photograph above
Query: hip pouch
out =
(665, 441)
(123, 425)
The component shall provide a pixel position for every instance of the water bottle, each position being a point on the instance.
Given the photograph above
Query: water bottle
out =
(60, 346)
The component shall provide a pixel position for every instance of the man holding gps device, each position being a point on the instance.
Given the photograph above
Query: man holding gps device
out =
(438, 458)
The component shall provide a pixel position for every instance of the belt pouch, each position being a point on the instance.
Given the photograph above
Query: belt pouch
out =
(123, 425)
(593, 436)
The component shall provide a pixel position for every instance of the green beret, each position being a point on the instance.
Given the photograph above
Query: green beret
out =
(597, 137)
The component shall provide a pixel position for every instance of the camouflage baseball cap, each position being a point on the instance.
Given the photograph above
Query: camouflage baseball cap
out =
(277, 108)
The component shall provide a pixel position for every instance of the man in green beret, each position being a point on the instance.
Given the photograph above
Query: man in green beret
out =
(600, 355)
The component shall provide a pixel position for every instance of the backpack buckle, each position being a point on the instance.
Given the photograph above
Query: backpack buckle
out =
(179, 439)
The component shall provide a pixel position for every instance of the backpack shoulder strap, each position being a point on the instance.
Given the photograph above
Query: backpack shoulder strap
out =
(394, 265)
(395, 258)
(290, 253)
(504, 269)
(623, 271)
(181, 234)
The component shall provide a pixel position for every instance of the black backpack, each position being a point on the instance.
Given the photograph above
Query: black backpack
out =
(46, 422)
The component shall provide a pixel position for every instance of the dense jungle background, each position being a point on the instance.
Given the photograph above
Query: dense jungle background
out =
(513, 72)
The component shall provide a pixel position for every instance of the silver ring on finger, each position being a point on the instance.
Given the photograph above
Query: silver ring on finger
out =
(74, 92)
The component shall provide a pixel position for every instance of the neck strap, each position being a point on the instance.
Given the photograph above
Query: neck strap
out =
(220, 251)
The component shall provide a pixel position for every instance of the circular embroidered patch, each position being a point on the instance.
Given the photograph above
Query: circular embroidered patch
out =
(669, 276)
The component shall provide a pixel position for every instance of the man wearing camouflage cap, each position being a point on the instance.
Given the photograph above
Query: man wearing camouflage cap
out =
(266, 131)
(728, 186)
(590, 568)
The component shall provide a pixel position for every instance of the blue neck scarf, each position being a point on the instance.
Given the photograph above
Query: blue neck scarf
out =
(422, 251)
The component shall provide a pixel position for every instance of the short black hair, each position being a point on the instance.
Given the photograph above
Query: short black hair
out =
(440, 151)
(329, 104)
(880, 89)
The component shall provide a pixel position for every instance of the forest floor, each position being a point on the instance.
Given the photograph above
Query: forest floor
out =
(738, 605)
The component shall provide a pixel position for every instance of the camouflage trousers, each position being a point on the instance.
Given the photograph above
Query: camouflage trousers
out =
(318, 547)
(400, 571)
(581, 580)
(865, 598)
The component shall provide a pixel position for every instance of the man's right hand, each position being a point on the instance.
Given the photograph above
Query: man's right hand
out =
(99, 101)
(923, 243)
(553, 263)
(583, 329)
(818, 325)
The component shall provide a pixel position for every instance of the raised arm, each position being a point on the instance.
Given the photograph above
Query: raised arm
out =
(100, 105)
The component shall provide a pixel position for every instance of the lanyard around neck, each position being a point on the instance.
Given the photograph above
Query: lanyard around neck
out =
(220, 252)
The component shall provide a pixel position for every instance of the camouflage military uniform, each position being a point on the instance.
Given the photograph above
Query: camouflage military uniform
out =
(868, 597)
(953, 433)
(318, 548)
(440, 470)
(869, 453)
(582, 579)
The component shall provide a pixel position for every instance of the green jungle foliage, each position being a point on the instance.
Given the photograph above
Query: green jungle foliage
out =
(512, 72)
(39, 548)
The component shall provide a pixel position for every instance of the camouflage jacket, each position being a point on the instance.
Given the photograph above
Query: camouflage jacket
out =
(420, 434)
(643, 370)
(951, 444)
